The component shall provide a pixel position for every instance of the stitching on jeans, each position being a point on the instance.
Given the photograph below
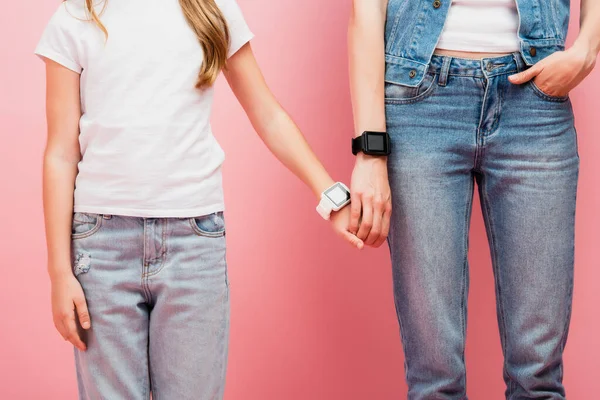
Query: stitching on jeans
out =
(144, 265)
(540, 93)
(83, 235)
(163, 253)
(200, 232)
(492, 239)
(463, 309)
(427, 93)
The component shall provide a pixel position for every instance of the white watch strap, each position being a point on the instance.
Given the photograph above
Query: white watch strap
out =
(324, 208)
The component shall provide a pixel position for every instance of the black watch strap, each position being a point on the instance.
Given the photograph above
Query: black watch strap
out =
(372, 144)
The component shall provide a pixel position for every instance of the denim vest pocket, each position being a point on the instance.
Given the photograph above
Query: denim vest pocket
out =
(212, 225)
(85, 225)
(543, 95)
(400, 94)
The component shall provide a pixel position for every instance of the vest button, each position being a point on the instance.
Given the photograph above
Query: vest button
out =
(412, 73)
(437, 4)
(532, 52)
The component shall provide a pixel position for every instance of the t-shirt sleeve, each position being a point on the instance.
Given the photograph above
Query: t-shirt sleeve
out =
(59, 40)
(239, 32)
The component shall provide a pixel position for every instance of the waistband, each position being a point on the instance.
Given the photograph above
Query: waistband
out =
(479, 68)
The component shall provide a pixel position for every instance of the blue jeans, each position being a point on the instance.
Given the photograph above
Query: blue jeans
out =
(158, 299)
(467, 124)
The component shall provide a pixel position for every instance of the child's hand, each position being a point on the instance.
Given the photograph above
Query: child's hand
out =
(67, 299)
(340, 221)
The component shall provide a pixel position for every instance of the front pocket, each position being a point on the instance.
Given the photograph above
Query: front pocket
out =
(212, 225)
(543, 95)
(401, 94)
(85, 225)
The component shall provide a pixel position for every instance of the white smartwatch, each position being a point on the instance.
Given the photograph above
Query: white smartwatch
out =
(333, 198)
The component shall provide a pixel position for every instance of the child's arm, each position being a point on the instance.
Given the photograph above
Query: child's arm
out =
(61, 156)
(279, 132)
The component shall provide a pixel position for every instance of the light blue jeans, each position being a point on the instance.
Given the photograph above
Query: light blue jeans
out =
(467, 124)
(157, 293)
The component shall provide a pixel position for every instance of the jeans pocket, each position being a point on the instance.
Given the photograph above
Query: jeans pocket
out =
(212, 225)
(85, 225)
(402, 94)
(543, 95)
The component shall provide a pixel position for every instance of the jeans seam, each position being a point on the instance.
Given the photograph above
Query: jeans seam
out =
(465, 270)
(163, 254)
(495, 266)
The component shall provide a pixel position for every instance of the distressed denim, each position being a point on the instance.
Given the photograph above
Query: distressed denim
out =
(466, 125)
(157, 294)
(413, 29)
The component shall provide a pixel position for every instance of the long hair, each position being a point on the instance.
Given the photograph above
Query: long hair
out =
(208, 23)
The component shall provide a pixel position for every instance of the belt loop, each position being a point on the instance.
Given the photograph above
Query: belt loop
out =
(443, 78)
(519, 60)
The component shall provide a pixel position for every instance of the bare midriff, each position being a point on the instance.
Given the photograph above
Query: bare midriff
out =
(467, 54)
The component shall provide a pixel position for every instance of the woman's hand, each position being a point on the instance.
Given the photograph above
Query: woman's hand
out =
(371, 200)
(557, 74)
(340, 221)
(67, 299)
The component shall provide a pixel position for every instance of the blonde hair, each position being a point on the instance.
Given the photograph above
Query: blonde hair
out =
(208, 23)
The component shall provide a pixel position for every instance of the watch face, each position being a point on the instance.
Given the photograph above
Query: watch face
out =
(338, 195)
(376, 142)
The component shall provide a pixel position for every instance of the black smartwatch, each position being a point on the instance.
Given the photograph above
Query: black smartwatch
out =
(372, 144)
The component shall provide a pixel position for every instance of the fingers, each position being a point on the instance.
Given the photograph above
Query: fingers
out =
(385, 224)
(378, 208)
(82, 313)
(526, 75)
(366, 223)
(68, 330)
(355, 211)
(353, 240)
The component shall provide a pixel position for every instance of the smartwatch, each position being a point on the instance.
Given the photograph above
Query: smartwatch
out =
(333, 198)
(372, 144)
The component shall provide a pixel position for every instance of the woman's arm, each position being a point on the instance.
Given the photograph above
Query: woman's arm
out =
(371, 196)
(60, 169)
(562, 71)
(278, 131)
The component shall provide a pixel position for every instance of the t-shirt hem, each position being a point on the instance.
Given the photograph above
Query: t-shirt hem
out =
(59, 58)
(152, 213)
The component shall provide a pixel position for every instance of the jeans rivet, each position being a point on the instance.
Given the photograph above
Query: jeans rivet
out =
(437, 4)
(412, 73)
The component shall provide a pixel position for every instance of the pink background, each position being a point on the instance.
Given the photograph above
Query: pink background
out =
(312, 318)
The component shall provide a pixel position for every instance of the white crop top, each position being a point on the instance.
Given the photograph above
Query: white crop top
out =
(485, 26)
(145, 136)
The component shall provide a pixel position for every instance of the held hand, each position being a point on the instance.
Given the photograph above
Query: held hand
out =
(68, 298)
(340, 220)
(371, 200)
(557, 74)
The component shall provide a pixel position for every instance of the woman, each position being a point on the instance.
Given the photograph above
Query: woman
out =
(140, 267)
(472, 92)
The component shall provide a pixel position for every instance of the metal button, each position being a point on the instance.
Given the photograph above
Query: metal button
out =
(532, 52)
(489, 67)
(412, 73)
(437, 4)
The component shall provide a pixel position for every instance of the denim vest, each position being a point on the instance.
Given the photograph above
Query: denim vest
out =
(413, 28)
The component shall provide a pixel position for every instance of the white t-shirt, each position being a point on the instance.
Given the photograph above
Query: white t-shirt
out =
(485, 26)
(145, 136)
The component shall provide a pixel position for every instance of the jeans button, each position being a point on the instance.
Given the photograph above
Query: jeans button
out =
(437, 4)
(412, 73)
(489, 67)
(532, 52)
